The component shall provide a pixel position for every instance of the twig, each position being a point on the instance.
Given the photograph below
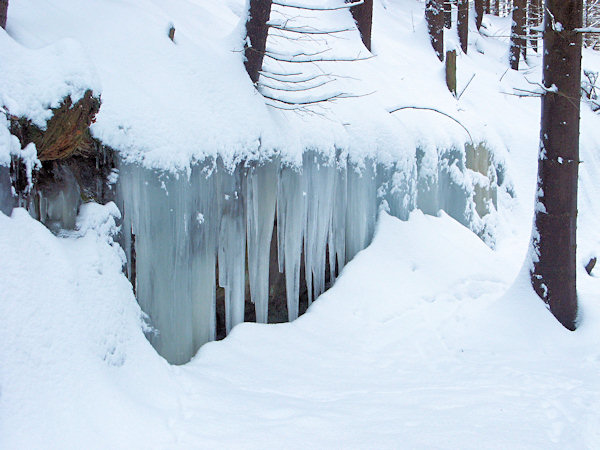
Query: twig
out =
(308, 8)
(465, 88)
(424, 108)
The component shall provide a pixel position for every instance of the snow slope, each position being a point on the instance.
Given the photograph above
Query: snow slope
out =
(168, 104)
(417, 345)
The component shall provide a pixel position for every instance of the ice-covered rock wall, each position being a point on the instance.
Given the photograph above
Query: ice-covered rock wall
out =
(7, 200)
(184, 233)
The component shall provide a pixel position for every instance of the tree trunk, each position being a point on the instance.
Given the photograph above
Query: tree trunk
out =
(3, 13)
(487, 7)
(497, 8)
(479, 11)
(553, 272)
(256, 32)
(448, 12)
(451, 71)
(363, 16)
(463, 24)
(517, 33)
(434, 14)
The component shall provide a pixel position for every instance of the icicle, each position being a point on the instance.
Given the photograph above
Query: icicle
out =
(361, 212)
(427, 183)
(290, 224)
(205, 211)
(337, 236)
(260, 212)
(232, 247)
(397, 187)
(320, 177)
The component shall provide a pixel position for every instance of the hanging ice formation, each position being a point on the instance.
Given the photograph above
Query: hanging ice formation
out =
(177, 230)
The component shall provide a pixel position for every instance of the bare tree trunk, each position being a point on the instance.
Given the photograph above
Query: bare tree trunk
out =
(257, 32)
(448, 12)
(497, 8)
(451, 71)
(487, 7)
(463, 24)
(3, 13)
(553, 243)
(434, 14)
(363, 16)
(479, 11)
(517, 33)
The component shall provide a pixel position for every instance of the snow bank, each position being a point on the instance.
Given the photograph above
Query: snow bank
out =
(415, 344)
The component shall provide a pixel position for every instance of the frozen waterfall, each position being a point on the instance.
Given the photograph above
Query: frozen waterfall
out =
(187, 234)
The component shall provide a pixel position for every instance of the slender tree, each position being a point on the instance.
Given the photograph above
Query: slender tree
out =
(553, 272)
(434, 14)
(363, 16)
(463, 24)
(448, 12)
(257, 30)
(480, 7)
(3, 12)
(517, 33)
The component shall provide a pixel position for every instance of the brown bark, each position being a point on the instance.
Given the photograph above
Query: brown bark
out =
(257, 32)
(451, 71)
(448, 12)
(487, 6)
(479, 11)
(553, 274)
(463, 24)
(3, 13)
(517, 33)
(497, 8)
(434, 14)
(363, 16)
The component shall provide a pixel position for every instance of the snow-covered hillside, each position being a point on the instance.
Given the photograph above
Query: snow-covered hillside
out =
(428, 339)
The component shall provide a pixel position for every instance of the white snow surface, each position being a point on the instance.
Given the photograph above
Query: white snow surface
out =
(422, 343)
(168, 104)
(429, 339)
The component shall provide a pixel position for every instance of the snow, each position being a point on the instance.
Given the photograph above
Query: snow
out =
(422, 341)
(428, 339)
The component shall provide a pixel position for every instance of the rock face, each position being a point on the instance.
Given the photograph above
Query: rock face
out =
(74, 167)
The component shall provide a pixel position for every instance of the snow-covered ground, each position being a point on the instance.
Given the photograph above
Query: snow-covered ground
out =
(422, 343)
(429, 339)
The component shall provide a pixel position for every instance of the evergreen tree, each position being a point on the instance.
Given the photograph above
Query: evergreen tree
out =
(553, 272)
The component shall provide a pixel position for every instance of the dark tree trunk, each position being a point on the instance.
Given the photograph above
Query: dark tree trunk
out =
(434, 14)
(517, 33)
(479, 11)
(463, 24)
(257, 31)
(497, 8)
(363, 16)
(3, 13)
(487, 7)
(553, 273)
(448, 12)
